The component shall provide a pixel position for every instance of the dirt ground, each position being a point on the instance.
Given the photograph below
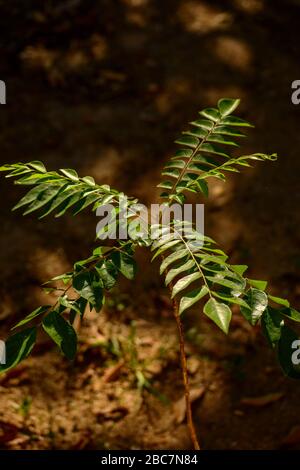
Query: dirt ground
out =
(105, 87)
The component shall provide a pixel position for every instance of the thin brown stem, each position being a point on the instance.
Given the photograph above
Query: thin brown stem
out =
(185, 377)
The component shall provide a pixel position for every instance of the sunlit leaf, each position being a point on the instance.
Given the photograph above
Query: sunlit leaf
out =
(219, 313)
(257, 301)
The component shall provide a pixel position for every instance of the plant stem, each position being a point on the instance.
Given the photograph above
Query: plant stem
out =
(189, 414)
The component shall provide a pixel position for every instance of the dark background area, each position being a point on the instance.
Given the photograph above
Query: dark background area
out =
(105, 87)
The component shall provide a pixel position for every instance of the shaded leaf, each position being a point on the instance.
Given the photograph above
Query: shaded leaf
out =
(62, 333)
(178, 270)
(272, 323)
(288, 355)
(185, 282)
(191, 298)
(290, 313)
(32, 315)
(189, 141)
(82, 283)
(236, 121)
(18, 346)
(175, 256)
(124, 263)
(107, 272)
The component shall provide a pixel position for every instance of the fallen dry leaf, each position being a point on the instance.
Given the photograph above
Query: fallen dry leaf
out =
(112, 373)
(180, 407)
(262, 400)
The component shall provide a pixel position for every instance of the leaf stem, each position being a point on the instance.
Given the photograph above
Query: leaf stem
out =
(184, 369)
(195, 261)
(190, 159)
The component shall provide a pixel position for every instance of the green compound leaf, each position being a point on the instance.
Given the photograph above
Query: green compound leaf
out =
(206, 138)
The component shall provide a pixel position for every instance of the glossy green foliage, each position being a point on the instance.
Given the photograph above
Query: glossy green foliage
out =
(205, 152)
(77, 290)
(196, 271)
(57, 192)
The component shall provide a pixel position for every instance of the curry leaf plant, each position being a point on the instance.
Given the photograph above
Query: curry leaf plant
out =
(196, 271)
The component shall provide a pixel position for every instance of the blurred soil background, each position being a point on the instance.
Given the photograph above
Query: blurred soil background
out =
(105, 87)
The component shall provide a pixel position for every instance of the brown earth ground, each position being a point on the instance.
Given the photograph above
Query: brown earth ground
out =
(105, 87)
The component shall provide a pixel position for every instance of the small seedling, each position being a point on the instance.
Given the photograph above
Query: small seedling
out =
(197, 272)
